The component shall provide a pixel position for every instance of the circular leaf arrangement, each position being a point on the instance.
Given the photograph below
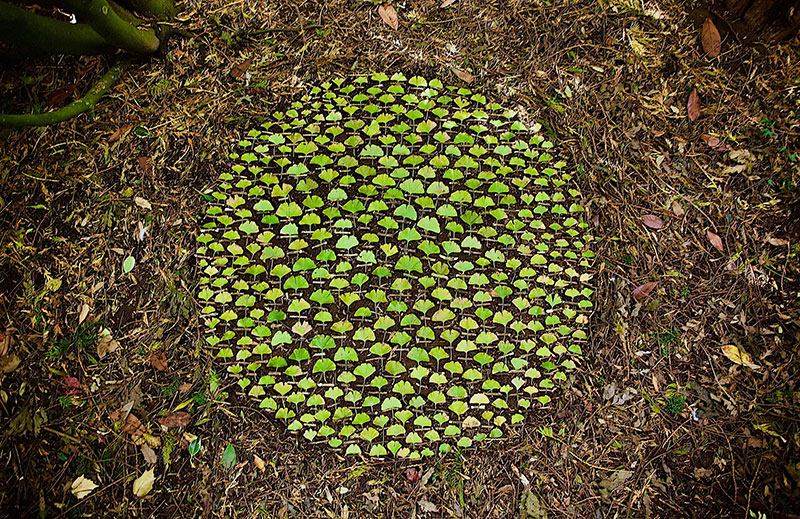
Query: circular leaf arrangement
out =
(394, 267)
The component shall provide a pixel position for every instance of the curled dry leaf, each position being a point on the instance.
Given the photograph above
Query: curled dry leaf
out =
(716, 241)
(643, 291)
(179, 419)
(389, 15)
(466, 77)
(712, 42)
(141, 202)
(260, 465)
(738, 356)
(412, 475)
(693, 105)
(653, 221)
(119, 132)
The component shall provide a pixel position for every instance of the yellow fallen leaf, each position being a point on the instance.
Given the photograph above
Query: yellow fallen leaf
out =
(144, 483)
(738, 356)
(259, 463)
(82, 487)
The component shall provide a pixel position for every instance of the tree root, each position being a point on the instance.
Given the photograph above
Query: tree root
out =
(82, 105)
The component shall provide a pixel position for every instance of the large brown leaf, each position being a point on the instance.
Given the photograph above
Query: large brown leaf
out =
(652, 221)
(179, 419)
(643, 291)
(716, 241)
(389, 16)
(693, 105)
(712, 43)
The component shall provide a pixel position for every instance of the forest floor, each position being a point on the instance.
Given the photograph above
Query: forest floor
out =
(660, 422)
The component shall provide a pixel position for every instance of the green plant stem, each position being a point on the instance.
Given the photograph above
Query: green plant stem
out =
(113, 28)
(77, 107)
(29, 30)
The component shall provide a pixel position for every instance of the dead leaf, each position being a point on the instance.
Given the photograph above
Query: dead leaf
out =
(9, 363)
(239, 69)
(738, 356)
(677, 208)
(260, 465)
(778, 242)
(141, 202)
(172, 420)
(107, 344)
(412, 474)
(144, 483)
(158, 359)
(426, 507)
(714, 142)
(84, 313)
(59, 95)
(389, 16)
(652, 221)
(82, 487)
(132, 424)
(643, 291)
(185, 387)
(712, 42)
(466, 77)
(693, 105)
(74, 385)
(149, 454)
(716, 241)
(6, 340)
(145, 164)
(119, 132)
(447, 3)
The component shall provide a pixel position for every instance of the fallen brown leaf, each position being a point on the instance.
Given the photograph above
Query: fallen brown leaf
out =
(716, 241)
(172, 420)
(643, 291)
(131, 426)
(107, 344)
(714, 142)
(146, 165)
(149, 454)
(712, 43)
(466, 77)
(652, 221)
(677, 208)
(239, 69)
(447, 3)
(6, 341)
(412, 475)
(693, 105)
(119, 132)
(59, 95)
(158, 359)
(185, 387)
(9, 363)
(389, 15)
(778, 242)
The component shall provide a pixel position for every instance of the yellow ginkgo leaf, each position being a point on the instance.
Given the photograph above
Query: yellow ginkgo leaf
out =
(738, 356)
(144, 483)
(82, 487)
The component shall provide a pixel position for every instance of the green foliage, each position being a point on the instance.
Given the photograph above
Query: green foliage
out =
(425, 293)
